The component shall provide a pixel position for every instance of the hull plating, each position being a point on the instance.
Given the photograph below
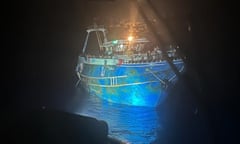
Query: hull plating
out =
(145, 84)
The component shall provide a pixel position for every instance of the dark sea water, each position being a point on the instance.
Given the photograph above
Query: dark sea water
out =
(178, 120)
(130, 124)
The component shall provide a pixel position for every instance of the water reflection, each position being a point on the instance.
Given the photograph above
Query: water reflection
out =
(130, 124)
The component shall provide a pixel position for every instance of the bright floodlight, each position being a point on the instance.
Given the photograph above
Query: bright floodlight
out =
(130, 38)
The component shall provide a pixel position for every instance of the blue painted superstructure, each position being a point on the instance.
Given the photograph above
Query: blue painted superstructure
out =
(127, 75)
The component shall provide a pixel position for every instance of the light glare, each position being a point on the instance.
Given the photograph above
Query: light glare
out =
(130, 38)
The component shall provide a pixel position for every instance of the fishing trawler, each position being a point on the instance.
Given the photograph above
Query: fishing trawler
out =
(129, 71)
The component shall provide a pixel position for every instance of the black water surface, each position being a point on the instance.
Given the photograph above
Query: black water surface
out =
(178, 120)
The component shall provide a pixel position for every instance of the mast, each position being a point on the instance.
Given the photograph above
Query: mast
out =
(97, 29)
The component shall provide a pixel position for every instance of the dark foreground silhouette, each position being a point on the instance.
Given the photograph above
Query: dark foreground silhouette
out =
(51, 126)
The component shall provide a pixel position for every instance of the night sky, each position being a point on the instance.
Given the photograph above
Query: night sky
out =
(43, 39)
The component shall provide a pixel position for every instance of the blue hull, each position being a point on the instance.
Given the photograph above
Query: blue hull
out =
(143, 84)
(148, 94)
